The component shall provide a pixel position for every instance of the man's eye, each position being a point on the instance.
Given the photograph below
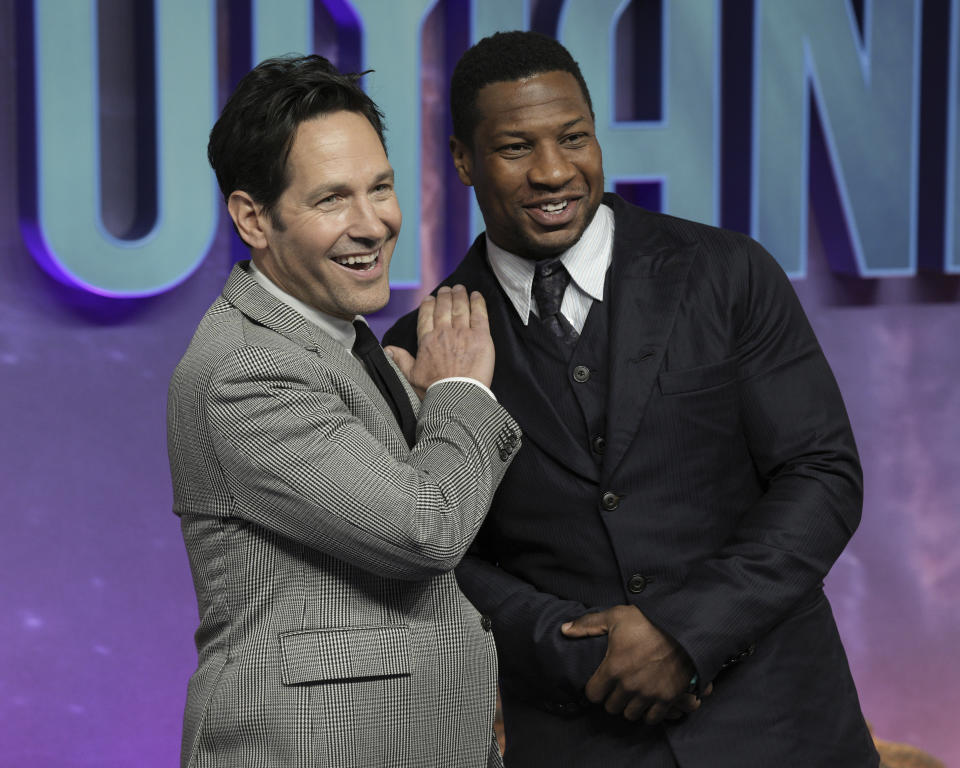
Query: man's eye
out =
(328, 200)
(513, 149)
(575, 139)
(383, 189)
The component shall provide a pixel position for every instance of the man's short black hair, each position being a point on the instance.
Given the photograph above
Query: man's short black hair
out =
(503, 57)
(251, 141)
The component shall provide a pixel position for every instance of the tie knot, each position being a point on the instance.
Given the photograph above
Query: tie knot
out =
(550, 280)
(366, 340)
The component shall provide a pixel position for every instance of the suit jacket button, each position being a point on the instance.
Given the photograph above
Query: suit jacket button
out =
(485, 622)
(599, 444)
(637, 583)
(609, 501)
(505, 454)
(581, 374)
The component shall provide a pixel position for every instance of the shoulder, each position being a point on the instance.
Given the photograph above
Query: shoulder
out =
(227, 344)
(724, 255)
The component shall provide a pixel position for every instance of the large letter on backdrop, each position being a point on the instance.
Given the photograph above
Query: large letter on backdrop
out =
(67, 236)
(867, 95)
(395, 87)
(952, 235)
(681, 150)
(487, 17)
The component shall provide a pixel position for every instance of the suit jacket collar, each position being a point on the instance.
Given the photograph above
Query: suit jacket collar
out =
(646, 284)
(260, 306)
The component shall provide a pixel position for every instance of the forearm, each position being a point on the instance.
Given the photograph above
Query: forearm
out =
(298, 462)
(536, 660)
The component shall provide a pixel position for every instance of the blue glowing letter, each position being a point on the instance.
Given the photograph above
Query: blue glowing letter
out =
(952, 235)
(867, 96)
(681, 149)
(68, 237)
(395, 87)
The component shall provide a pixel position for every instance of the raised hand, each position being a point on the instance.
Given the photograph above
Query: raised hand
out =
(453, 334)
(645, 673)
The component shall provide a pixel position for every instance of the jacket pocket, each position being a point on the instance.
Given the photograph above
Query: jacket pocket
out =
(348, 653)
(701, 377)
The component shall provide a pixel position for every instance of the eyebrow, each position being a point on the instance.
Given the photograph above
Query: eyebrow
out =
(519, 132)
(342, 186)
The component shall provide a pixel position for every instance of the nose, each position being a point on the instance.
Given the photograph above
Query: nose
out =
(367, 224)
(550, 168)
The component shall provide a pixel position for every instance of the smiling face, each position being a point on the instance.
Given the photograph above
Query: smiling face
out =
(329, 238)
(535, 163)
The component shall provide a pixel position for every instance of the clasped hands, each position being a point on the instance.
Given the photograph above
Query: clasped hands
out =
(453, 337)
(645, 674)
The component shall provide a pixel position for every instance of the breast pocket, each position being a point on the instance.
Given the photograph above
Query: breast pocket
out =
(347, 653)
(702, 377)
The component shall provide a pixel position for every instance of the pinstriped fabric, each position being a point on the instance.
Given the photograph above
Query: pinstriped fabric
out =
(332, 631)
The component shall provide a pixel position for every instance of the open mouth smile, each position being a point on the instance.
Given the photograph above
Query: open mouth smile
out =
(358, 262)
(555, 212)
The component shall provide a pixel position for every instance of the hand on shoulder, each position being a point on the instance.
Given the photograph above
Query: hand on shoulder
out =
(453, 334)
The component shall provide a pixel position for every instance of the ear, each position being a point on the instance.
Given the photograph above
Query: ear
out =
(247, 218)
(462, 160)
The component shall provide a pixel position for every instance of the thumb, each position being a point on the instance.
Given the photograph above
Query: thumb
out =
(402, 358)
(588, 625)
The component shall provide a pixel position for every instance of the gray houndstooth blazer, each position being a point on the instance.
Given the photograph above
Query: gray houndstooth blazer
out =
(332, 631)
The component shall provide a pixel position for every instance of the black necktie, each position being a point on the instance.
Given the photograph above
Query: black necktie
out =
(550, 280)
(368, 349)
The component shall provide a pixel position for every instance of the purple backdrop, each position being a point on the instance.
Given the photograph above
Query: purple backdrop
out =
(97, 605)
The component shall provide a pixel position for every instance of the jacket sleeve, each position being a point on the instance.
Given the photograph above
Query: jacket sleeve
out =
(803, 452)
(299, 462)
(540, 663)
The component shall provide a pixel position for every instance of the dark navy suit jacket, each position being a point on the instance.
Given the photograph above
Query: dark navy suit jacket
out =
(729, 485)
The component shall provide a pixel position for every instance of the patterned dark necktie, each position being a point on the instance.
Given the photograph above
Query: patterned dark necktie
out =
(368, 349)
(550, 280)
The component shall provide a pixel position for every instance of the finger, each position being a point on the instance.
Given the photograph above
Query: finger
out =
(443, 308)
(588, 625)
(402, 358)
(707, 691)
(460, 307)
(617, 700)
(478, 312)
(599, 685)
(688, 702)
(674, 714)
(635, 708)
(425, 317)
(656, 713)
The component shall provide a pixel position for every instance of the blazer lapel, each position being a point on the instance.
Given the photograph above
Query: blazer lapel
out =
(247, 295)
(647, 276)
(515, 383)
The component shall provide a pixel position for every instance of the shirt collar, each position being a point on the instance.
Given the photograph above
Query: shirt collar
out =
(593, 249)
(336, 327)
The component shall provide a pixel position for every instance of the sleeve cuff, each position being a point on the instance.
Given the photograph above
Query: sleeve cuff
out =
(469, 380)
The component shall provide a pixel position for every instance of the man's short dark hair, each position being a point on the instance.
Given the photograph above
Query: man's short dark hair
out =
(503, 57)
(251, 141)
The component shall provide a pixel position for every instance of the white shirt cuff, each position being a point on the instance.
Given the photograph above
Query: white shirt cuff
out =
(482, 386)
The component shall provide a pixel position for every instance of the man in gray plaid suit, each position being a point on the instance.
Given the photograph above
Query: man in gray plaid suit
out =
(323, 504)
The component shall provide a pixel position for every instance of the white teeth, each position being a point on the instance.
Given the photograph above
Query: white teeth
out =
(553, 207)
(369, 259)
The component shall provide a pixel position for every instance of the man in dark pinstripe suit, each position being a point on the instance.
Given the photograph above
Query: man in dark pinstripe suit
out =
(688, 474)
(323, 504)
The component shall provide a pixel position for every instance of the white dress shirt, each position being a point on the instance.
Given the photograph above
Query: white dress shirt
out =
(587, 261)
